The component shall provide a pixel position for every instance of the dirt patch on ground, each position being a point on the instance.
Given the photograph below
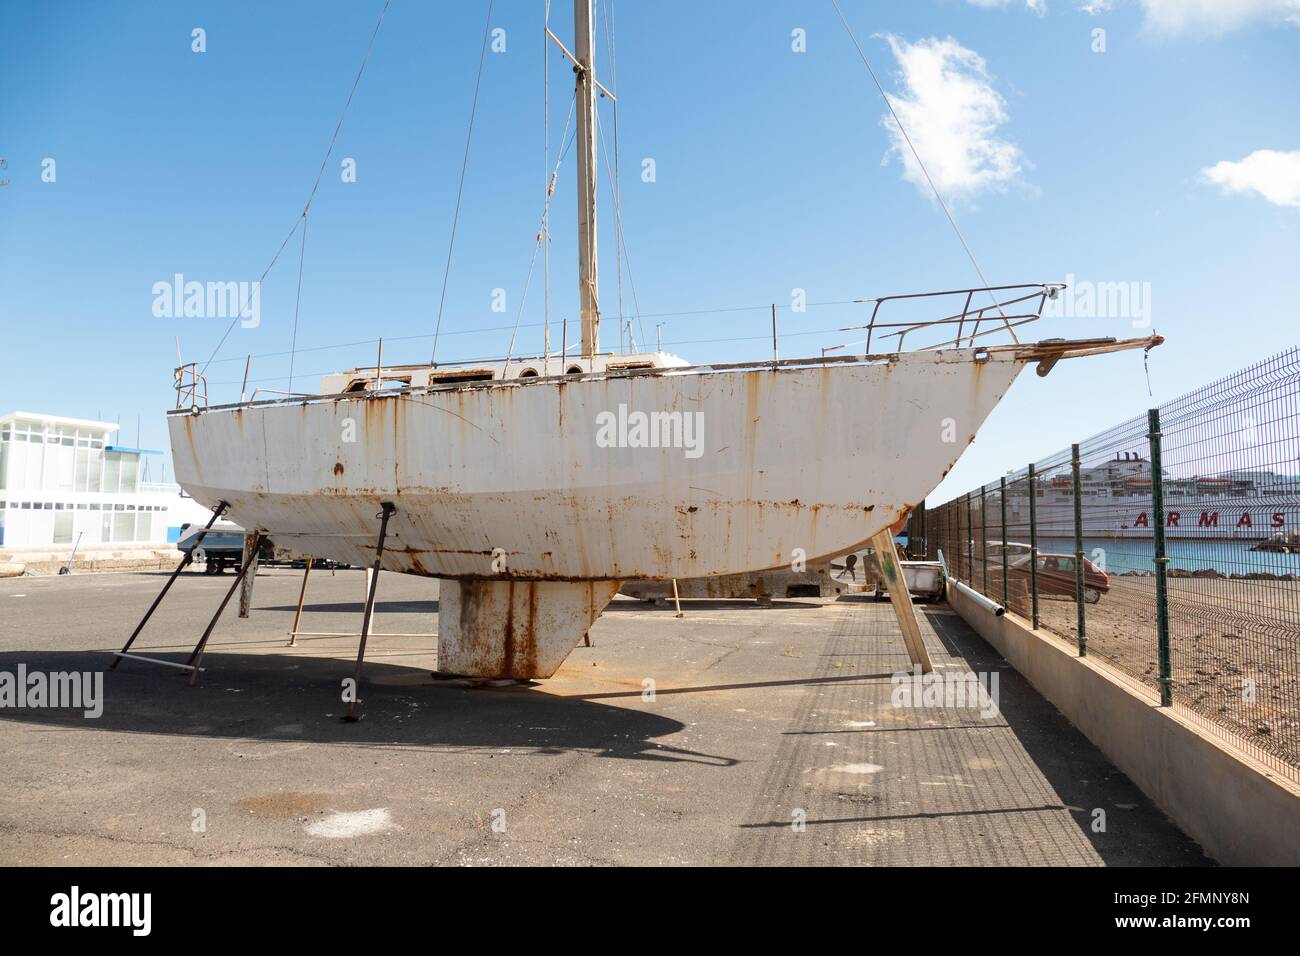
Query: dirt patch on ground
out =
(284, 805)
(1234, 649)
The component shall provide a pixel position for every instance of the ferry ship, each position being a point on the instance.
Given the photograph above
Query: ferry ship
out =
(1241, 504)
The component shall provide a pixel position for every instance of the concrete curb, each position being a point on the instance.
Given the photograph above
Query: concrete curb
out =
(92, 559)
(1242, 813)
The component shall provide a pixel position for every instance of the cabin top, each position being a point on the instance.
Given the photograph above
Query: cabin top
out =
(420, 376)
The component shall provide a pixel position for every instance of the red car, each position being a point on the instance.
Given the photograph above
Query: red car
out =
(1056, 576)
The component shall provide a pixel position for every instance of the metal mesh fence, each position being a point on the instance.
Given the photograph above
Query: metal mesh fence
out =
(1169, 546)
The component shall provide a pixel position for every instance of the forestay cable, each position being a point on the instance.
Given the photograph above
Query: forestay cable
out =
(920, 162)
(460, 188)
(302, 218)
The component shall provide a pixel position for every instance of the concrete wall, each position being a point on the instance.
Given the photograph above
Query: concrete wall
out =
(1241, 812)
(100, 557)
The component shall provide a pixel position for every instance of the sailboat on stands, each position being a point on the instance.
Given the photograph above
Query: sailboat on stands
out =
(533, 488)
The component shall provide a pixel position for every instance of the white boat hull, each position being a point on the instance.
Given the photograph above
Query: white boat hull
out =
(517, 480)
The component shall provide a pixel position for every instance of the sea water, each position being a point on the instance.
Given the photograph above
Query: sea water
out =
(1117, 555)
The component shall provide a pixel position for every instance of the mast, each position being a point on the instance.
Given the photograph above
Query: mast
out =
(588, 290)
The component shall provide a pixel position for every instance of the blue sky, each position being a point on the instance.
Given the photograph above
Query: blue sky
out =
(1170, 160)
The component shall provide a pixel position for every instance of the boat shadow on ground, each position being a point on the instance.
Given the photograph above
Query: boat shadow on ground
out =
(283, 698)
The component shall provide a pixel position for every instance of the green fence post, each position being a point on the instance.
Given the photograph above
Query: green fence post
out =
(970, 544)
(954, 535)
(925, 537)
(947, 533)
(1161, 560)
(1033, 543)
(957, 549)
(984, 535)
(1006, 595)
(954, 531)
(1078, 550)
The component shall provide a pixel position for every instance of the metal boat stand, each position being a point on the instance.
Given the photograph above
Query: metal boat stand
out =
(302, 596)
(217, 512)
(387, 512)
(196, 656)
(296, 631)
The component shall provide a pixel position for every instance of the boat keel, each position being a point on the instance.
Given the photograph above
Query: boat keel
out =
(518, 629)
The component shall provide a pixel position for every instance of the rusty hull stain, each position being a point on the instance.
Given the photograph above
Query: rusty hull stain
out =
(731, 524)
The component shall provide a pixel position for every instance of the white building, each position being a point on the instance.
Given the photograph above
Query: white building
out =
(63, 483)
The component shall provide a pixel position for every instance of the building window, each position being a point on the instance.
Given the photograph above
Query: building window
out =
(94, 469)
(130, 466)
(112, 472)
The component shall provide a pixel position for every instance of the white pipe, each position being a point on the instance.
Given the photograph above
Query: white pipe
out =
(997, 609)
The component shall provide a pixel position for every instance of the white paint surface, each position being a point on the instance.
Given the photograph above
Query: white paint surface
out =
(342, 826)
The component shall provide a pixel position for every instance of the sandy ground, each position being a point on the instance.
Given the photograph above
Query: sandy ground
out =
(1224, 635)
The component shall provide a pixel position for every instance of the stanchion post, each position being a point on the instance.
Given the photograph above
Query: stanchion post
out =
(984, 536)
(1033, 543)
(1006, 596)
(1161, 560)
(1078, 551)
(970, 543)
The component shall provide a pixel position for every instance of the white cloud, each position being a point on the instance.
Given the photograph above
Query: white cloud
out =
(1272, 174)
(1038, 6)
(1181, 16)
(1216, 16)
(954, 117)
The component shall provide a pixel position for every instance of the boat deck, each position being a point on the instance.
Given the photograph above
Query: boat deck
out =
(758, 713)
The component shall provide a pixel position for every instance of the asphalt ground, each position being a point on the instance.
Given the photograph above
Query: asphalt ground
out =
(735, 735)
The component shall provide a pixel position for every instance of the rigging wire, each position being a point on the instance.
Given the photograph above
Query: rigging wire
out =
(546, 207)
(766, 337)
(302, 219)
(548, 185)
(476, 330)
(460, 188)
(302, 255)
(621, 242)
(617, 178)
(935, 189)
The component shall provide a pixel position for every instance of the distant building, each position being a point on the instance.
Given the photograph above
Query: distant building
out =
(63, 483)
